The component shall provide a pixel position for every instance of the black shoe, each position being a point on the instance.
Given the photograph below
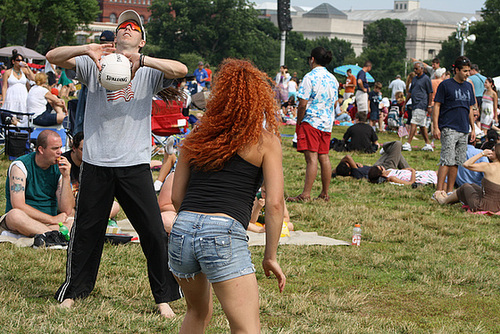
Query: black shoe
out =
(50, 240)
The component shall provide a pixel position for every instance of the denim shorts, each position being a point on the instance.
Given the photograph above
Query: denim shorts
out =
(214, 245)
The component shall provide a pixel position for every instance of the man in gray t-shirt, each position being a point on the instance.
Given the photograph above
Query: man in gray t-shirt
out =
(116, 157)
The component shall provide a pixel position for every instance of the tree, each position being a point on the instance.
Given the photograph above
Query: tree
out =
(385, 48)
(487, 45)
(387, 33)
(46, 23)
(215, 29)
(450, 50)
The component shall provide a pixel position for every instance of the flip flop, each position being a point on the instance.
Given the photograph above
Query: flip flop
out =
(298, 199)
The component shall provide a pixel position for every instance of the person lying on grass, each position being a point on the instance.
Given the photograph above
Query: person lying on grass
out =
(407, 176)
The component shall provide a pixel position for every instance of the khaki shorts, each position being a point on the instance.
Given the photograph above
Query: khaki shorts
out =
(3, 224)
(419, 117)
(362, 101)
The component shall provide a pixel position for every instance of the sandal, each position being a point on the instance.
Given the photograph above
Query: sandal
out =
(325, 198)
(298, 199)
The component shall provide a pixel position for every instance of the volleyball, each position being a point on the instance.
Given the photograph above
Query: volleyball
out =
(115, 72)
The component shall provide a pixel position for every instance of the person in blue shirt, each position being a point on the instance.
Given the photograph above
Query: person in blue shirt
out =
(315, 115)
(452, 118)
(362, 87)
(477, 80)
(465, 175)
(201, 75)
(420, 93)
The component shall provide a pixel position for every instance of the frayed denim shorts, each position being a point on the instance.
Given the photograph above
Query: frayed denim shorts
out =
(214, 245)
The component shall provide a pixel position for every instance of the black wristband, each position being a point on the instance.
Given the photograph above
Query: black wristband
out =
(141, 60)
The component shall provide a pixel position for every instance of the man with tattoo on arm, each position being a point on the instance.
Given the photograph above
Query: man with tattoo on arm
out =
(38, 193)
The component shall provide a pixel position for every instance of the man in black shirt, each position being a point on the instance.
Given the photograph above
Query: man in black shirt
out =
(361, 136)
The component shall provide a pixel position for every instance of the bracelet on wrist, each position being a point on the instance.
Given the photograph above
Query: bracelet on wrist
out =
(141, 60)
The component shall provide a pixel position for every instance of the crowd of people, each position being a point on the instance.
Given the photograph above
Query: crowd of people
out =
(229, 169)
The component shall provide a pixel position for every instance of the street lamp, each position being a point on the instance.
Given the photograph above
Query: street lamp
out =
(463, 32)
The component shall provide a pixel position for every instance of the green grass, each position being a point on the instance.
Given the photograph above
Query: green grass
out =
(421, 268)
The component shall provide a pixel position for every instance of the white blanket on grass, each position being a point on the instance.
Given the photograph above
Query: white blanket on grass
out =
(259, 239)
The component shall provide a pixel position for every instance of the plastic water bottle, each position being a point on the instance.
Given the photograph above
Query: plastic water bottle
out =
(64, 231)
(356, 235)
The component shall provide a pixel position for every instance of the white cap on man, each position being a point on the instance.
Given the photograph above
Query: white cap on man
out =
(131, 15)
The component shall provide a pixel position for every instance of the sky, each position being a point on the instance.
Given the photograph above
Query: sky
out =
(460, 6)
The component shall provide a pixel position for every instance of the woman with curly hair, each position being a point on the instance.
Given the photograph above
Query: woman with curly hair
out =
(221, 166)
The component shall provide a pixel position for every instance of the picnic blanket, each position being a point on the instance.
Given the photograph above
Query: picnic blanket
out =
(488, 213)
(255, 239)
(16, 239)
(259, 239)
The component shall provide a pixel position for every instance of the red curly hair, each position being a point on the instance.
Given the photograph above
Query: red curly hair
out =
(241, 100)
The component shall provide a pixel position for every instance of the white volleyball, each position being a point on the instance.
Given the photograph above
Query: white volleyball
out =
(115, 72)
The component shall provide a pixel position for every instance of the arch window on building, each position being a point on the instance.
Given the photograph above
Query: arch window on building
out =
(112, 18)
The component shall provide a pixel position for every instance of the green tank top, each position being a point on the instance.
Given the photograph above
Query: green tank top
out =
(41, 186)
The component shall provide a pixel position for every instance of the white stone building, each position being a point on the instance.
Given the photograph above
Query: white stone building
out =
(426, 28)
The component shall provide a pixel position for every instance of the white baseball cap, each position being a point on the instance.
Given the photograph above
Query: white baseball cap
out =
(131, 15)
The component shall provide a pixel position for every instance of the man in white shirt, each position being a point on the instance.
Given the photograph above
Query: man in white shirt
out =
(396, 85)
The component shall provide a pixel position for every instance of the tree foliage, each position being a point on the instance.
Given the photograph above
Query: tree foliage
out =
(387, 33)
(214, 29)
(217, 29)
(487, 45)
(450, 50)
(44, 24)
(385, 48)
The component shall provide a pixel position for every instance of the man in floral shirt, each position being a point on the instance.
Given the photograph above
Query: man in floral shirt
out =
(316, 113)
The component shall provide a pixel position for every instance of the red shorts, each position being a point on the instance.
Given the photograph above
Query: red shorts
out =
(312, 139)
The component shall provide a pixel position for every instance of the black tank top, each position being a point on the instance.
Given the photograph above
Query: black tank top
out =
(230, 190)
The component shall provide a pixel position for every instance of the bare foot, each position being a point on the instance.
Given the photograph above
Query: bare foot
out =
(441, 197)
(165, 310)
(67, 303)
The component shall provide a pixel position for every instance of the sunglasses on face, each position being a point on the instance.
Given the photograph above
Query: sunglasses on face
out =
(133, 25)
(18, 60)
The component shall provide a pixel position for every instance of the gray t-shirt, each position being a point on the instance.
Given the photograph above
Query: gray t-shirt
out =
(420, 89)
(117, 124)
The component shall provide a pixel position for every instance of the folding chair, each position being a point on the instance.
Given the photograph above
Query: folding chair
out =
(16, 138)
(166, 120)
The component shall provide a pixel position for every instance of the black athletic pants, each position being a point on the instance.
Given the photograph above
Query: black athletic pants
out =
(133, 188)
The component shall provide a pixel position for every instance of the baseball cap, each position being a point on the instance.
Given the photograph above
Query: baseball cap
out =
(107, 36)
(200, 63)
(131, 15)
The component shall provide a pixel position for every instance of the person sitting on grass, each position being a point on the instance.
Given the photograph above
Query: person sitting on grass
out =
(361, 136)
(486, 197)
(257, 220)
(74, 157)
(38, 193)
(467, 176)
(42, 102)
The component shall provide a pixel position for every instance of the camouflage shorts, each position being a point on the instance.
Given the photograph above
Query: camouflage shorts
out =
(453, 147)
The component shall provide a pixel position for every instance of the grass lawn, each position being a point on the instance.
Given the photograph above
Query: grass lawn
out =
(421, 268)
